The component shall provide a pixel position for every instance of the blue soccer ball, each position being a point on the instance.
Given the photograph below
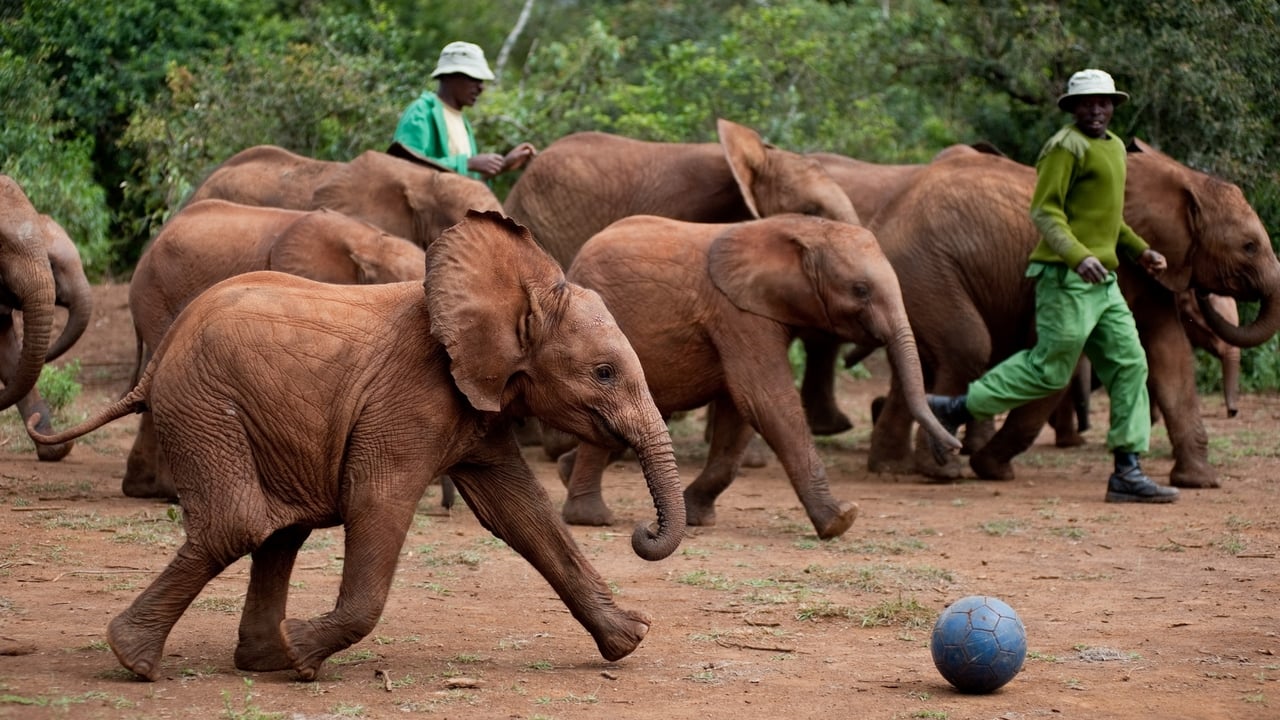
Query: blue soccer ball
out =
(978, 644)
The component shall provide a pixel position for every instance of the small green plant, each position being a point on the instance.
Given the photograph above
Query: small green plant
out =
(248, 711)
(59, 386)
(1000, 528)
(931, 714)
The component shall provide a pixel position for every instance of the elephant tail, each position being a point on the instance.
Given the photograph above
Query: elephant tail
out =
(134, 401)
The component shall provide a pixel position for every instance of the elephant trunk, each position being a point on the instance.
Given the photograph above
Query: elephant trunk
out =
(906, 365)
(1231, 379)
(1244, 336)
(76, 296)
(658, 461)
(35, 297)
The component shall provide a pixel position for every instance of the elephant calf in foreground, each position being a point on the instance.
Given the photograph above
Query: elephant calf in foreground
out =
(213, 240)
(711, 310)
(40, 269)
(284, 404)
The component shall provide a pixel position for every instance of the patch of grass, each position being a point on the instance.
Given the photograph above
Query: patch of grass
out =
(540, 665)
(824, 610)
(1070, 532)
(59, 386)
(227, 605)
(1232, 544)
(345, 710)
(353, 657)
(247, 710)
(1042, 657)
(64, 702)
(1001, 528)
(932, 714)
(705, 580)
(907, 613)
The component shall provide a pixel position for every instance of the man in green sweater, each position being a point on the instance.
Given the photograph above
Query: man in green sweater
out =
(1078, 207)
(433, 129)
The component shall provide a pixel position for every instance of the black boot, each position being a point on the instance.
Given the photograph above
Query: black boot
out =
(1129, 484)
(950, 410)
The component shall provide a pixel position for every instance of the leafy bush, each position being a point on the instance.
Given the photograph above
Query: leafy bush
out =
(59, 386)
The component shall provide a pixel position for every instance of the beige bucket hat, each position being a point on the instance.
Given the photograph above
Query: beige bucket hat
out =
(1091, 82)
(463, 57)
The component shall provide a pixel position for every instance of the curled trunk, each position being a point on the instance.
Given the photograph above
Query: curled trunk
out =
(1244, 336)
(658, 461)
(36, 302)
(77, 297)
(906, 365)
(1231, 380)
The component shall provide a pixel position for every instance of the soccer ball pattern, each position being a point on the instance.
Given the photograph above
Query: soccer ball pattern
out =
(978, 644)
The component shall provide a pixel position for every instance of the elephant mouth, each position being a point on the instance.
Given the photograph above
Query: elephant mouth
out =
(607, 435)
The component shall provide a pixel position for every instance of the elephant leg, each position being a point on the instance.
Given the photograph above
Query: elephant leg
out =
(1021, 427)
(145, 474)
(510, 503)
(138, 634)
(730, 436)
(584, 504)
(890, 450)
(1171, 379)
(261, 648)
(32, 403)
(372, 544)
(757, 453)
(1063, 420)
(818, 389)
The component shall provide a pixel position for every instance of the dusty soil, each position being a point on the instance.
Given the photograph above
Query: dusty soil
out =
(1131, 611)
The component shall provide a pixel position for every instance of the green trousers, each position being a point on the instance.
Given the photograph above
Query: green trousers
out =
(1074, 317)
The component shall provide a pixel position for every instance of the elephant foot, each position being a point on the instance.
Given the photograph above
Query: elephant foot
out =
(53, 453)
(757, 454)
(588, 510)
(699, 511)
(138, 649)
(305, 654)
(976, 436)
(1067, 440)
(836, 524)
(926, 465)
(620, 637)
(989, 468)
(892, 466)
(877, 406)
(142, 481)
(262, 656)
(827, 421)
(1202, 479)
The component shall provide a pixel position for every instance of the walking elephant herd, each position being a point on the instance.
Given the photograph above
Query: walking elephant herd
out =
(318, 341)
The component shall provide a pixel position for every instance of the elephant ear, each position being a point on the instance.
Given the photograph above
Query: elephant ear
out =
(767, 272)
(307, 249)
(486, 287)
(747, 155)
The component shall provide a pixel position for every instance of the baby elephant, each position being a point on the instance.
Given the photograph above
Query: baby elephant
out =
(283, 404)
(711, 310)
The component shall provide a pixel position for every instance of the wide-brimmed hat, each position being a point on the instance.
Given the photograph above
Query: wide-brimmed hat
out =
(463, 57)
(1091, 82)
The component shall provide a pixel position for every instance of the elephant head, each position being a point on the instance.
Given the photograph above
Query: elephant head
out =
(26, 284)
(774, 181)
(1214, 241)
(518, 332)
(72, 286)
(402, 197)
(330, 247)
(827, 276)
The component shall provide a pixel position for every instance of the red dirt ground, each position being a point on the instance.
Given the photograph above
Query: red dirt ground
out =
(1131, 611)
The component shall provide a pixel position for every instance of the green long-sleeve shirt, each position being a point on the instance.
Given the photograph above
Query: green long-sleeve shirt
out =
(422, 130)
(1078, 205)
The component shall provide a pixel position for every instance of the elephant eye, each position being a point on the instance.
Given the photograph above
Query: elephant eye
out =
(861, 291)
(604, 373)
(1251, 248)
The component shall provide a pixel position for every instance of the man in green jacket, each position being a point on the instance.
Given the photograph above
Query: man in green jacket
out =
(433, 128)
(1078, 207)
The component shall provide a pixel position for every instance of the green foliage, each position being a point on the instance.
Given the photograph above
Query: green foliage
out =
(59, 386)
(57, 175)
(115, 111)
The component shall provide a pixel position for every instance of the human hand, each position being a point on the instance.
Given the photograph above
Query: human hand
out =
(1152, 261)
(518, 156)
(487, 164)
(1091, 270)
